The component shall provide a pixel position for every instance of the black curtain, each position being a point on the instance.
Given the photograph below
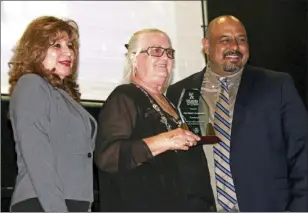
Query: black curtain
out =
(277, 33)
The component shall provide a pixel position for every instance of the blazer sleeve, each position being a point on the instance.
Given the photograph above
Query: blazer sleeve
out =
(29, 112)
(116, 150)
(295, 126)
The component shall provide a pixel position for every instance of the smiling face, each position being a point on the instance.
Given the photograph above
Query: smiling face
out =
(60, 56)
(226, 45)
(154, 70)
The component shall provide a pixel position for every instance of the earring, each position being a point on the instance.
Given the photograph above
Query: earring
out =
(208, 63)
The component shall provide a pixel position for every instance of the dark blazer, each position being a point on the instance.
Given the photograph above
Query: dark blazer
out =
(54, 138)
(269, 150)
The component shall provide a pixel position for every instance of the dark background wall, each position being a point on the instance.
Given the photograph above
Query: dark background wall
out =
(277, 34)
(8, 158)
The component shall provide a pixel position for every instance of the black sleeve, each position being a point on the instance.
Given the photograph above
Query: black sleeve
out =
(115, 149)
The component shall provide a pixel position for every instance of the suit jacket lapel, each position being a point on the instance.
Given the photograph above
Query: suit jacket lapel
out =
(197, 79)
(243, 97)
(79, 109)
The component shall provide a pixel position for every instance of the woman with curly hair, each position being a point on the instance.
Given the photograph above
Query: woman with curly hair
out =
(54, 134)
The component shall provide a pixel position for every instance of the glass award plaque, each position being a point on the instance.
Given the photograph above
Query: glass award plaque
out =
(195, 116)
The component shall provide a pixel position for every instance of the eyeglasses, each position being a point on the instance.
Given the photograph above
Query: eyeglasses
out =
(159, 52)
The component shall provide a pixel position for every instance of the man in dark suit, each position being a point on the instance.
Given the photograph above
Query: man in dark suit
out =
(261, 163)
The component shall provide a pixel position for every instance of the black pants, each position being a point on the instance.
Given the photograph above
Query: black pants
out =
(33, 205)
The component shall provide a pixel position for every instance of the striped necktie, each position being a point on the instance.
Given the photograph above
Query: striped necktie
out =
(226, 196)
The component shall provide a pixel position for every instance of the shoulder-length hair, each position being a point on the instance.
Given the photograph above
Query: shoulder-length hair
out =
(31, 51)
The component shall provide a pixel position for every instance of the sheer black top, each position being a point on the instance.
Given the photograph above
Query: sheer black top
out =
(130, 178)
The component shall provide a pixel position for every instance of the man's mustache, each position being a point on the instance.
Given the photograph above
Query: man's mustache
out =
(233, 52)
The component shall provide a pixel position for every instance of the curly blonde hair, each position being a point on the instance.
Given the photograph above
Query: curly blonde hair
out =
(31, 51)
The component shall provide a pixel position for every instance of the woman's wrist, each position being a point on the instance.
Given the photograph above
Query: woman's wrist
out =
(157, 144)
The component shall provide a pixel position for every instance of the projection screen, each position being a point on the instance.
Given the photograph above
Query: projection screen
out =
(105, 26)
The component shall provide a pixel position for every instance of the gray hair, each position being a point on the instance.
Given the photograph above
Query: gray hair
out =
(133, 50)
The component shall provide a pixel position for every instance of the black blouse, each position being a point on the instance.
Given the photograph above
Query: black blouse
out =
(131, 179)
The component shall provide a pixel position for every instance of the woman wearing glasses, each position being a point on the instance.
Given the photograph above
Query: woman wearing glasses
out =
(146, 161)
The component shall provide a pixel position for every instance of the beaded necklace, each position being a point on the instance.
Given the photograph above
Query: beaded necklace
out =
(158, 109)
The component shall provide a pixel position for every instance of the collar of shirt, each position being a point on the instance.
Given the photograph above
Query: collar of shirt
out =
(211, 80)
(211, 88)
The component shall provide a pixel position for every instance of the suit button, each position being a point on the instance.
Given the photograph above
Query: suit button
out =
(89, 155)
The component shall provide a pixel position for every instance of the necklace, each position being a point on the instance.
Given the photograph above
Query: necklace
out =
(164, 104)
(163, 118)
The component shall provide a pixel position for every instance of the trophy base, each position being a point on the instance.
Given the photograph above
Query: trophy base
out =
(208, 140)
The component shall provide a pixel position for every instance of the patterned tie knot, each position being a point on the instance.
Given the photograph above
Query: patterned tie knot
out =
(223, 80)
(224, 84)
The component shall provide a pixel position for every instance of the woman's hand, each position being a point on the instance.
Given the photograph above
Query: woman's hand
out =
(177, 139)
(180, 139)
